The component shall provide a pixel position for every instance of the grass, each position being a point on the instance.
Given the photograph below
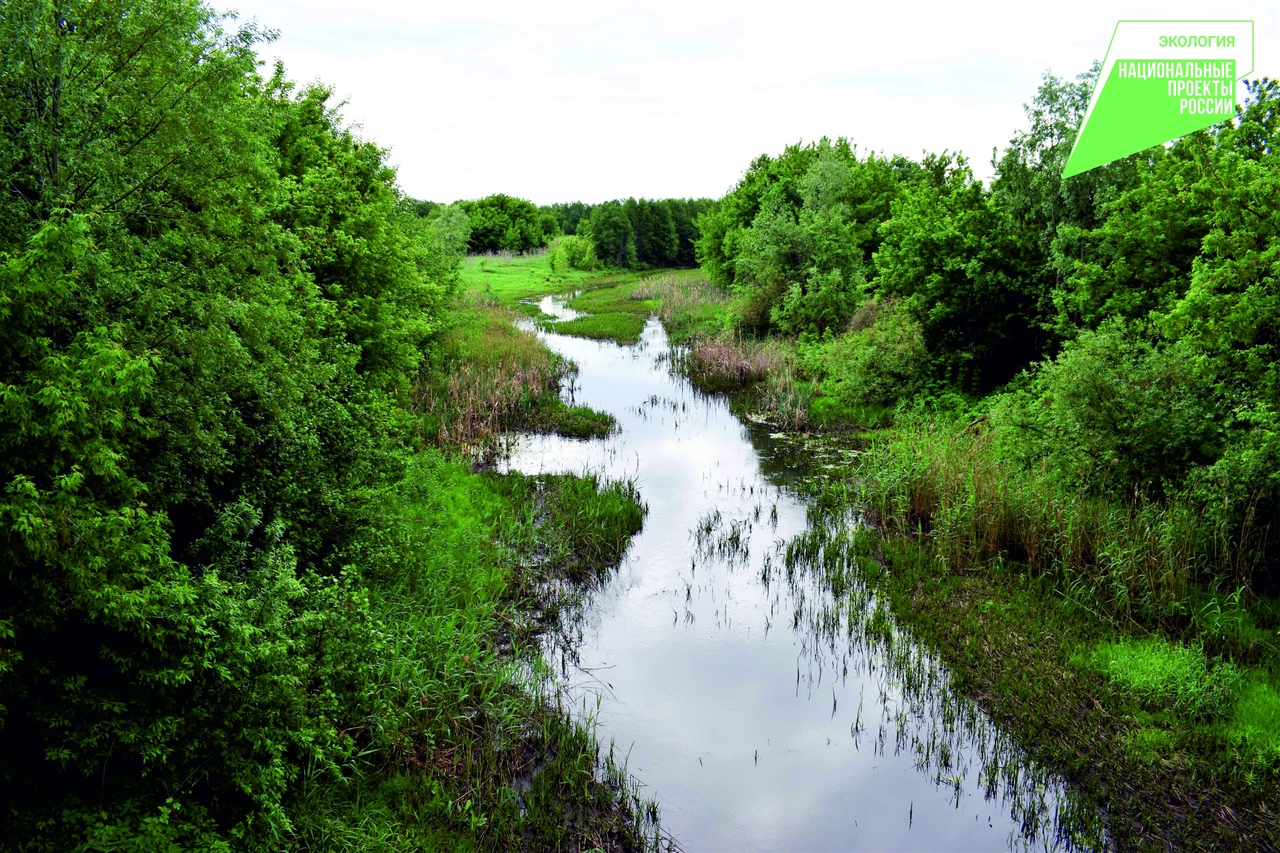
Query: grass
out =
(619, 304)
(1081, 626)
(619, 301)
(760, 375)
(619, 328)
(1254, 725)
(509, 278)
(1137, 560)
(731, 364)
(1162, 775)
(1168, 674)
(464, 746)
(686, 302)
(487, 377)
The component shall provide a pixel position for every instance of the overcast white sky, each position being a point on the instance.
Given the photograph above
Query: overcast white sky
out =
(561, 101)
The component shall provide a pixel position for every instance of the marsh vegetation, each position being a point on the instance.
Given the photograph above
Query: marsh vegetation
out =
(326, 526)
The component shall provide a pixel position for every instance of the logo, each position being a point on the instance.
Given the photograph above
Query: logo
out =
(1161, 80)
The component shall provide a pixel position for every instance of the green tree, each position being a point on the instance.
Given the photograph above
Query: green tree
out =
(505, 223)
(1051, 215)
(210, 297)
(962, 271)
(612, 235)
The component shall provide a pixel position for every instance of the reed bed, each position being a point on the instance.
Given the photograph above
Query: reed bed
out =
(783, 401)
(729, 364)
(481, 401)
(764, 367)
(1132, 558)
(488, 377)
(684, 300)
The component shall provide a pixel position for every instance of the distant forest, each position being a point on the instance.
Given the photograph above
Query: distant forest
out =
(635, 233)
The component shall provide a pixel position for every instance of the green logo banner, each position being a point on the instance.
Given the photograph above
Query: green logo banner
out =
(1161, 80)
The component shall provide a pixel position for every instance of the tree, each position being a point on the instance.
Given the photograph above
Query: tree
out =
(612, 234)
(210, 297)
(962, 271)
(504, 223)
(1051, 214)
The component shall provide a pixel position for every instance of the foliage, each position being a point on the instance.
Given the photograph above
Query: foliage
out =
(507, 224)
(963, 274)
(579, 253)
(880, 363)
(1165, 674)
(1046, 212)
(1114, 413)
(213, 301)
(795, 237)
(612, 234)
(569, 214)
(660, 232)
(1175, 390)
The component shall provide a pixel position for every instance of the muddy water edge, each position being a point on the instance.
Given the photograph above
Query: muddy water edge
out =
(754, 683)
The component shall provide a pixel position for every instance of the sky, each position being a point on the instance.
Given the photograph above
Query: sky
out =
(589, 101)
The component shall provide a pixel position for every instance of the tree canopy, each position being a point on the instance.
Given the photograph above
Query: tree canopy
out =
(211, 297)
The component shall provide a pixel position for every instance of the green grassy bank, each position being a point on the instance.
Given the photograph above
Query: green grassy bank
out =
(1085, 629)
(1119, 639)
(467, 749)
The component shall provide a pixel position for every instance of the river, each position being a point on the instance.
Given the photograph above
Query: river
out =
(748, 700)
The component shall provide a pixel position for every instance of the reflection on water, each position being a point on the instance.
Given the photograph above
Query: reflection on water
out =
(763, 708)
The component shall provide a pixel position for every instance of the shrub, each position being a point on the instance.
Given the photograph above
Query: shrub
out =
(579, 253)
(1114, 413)
(824, 301)
(878, 364)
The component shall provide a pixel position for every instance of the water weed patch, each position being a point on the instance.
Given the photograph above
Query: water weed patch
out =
(1167, 674)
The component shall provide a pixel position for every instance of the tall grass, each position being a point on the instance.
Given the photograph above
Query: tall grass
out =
(784, 401)
(1131, 558)
(729, 364)
(684, 301)
(487, 377)
(766, 368)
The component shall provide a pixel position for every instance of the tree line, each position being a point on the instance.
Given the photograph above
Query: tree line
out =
(630, 233)
(1129, 315)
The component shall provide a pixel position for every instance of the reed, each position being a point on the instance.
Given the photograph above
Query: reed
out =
(488, 377)
(728, 364)
(683, 301)
(1137, 557)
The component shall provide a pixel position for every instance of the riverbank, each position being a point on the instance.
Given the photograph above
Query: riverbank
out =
(1166, 724)
(1084, 626)
(473, 748)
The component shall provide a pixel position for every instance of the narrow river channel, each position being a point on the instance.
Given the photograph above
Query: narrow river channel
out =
(743, 694)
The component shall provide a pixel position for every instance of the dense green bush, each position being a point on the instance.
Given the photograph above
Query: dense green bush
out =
(881, 361)
(1183, 399)
(795, 237)
(1114, 413)
(211, 300)
(579, 253)
(503, 223)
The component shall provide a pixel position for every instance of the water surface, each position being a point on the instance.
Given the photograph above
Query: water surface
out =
(751, 702)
